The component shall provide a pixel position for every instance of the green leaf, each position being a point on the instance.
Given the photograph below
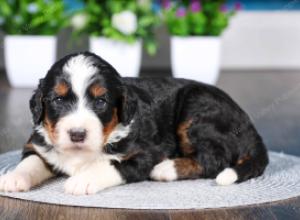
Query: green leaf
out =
(210, 21)
(100, 15)
(48, 18)
(151, 47)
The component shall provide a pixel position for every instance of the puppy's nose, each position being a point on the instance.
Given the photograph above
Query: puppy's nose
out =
(77, 134)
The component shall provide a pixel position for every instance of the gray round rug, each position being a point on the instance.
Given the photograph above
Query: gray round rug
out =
(281, 180)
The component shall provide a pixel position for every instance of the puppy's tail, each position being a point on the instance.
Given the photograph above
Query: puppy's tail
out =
(246, 167)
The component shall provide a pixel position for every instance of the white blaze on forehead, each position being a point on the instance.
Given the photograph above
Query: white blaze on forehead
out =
(80, 69)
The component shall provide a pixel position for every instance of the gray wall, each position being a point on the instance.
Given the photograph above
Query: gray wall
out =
(262, 40)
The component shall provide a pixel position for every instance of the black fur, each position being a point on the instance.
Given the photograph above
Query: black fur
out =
(220, 134)
(36, 104)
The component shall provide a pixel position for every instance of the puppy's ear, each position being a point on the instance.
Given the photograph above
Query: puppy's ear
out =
(127, 106)
(36, 104)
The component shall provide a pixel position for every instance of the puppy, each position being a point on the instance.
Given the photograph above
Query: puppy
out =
(103, 130)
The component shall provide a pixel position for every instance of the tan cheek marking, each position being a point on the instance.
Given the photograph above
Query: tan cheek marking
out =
(110, 126)
(61, 89)
(50, 128)
(188, 168)
(184, 141)
(97, 90)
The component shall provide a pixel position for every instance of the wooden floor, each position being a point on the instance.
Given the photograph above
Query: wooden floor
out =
(17, 209)
(270, 97)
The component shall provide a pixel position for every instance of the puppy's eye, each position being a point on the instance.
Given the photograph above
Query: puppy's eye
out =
(58, 99)
(100, 103)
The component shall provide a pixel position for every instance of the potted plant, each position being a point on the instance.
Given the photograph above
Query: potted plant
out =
(195, 27)
(30, 43)
(117, 29)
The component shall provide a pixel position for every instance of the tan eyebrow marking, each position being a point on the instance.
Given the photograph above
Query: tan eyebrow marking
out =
(61, 89)
(97, 90)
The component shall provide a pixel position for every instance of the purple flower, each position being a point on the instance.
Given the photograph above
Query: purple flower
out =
(181, 12)
(195, 6)
(166, 4)
(224, 8)
(238, 6)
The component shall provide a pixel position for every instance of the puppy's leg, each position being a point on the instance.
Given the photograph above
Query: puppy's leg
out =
(93, 177)
(102, 174)
(30, 172)
(180, 168)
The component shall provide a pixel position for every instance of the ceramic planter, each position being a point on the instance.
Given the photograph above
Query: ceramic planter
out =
(28, 58)
(126, 58)
(196, 58)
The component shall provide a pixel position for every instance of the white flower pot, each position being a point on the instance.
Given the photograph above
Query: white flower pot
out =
(124, 57)
(28, 58)
(196, 58)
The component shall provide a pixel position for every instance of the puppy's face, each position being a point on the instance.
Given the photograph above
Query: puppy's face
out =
(80, 104)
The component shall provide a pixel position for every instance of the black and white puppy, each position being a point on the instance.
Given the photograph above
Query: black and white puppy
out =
(103, 130)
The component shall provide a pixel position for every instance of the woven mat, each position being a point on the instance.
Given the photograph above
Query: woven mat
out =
(281, 180)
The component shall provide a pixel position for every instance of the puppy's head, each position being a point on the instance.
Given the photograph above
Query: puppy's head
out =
(80, 102)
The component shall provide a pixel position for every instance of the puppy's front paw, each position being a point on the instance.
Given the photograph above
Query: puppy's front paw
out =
(99, 175)
(15, 182)
(80, 185)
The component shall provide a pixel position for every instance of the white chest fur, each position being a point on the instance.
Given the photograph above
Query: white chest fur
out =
(73, 162)
(119, 133)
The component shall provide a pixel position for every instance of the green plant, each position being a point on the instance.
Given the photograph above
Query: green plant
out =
(196, 18)
(32, 17)
(121, 20)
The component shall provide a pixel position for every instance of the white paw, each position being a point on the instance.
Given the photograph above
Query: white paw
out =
(99, 175)
(79, 185)
(164, 171)
(15, 182)
(227, 177)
